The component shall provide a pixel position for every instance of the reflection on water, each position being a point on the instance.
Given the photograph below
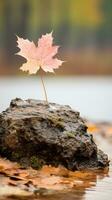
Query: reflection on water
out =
(57, 183)
(92, 96)
(95, 185)
(90, 185)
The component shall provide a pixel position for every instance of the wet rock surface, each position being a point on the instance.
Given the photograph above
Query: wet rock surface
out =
(34, 133)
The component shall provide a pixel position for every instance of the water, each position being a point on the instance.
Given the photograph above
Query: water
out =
(92, 96)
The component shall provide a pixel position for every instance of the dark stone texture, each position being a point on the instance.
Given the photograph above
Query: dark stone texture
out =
(34, 133)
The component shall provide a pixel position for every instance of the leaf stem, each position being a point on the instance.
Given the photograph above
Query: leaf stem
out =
(45, 92)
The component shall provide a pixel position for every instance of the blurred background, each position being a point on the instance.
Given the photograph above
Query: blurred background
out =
(83, 29)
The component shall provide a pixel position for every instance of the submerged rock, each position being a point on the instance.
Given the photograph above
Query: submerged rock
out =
(34, 133)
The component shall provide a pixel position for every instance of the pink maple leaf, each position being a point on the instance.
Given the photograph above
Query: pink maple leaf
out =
(42, 55)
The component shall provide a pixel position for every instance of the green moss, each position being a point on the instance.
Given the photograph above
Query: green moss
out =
(61, 124)
(35, 162)
(57, 122)
(16, 155)
(70, 134)
(3, 148)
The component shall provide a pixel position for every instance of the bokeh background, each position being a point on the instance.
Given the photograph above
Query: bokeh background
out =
(83, 29)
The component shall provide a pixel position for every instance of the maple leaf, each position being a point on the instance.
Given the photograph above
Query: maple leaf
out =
(42, 55)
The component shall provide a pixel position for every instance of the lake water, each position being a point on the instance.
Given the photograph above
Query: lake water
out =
(92, 96)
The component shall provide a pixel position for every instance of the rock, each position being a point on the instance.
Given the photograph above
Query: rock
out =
(34, 133)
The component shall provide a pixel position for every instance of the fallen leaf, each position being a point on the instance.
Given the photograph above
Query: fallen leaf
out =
(92, 128)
